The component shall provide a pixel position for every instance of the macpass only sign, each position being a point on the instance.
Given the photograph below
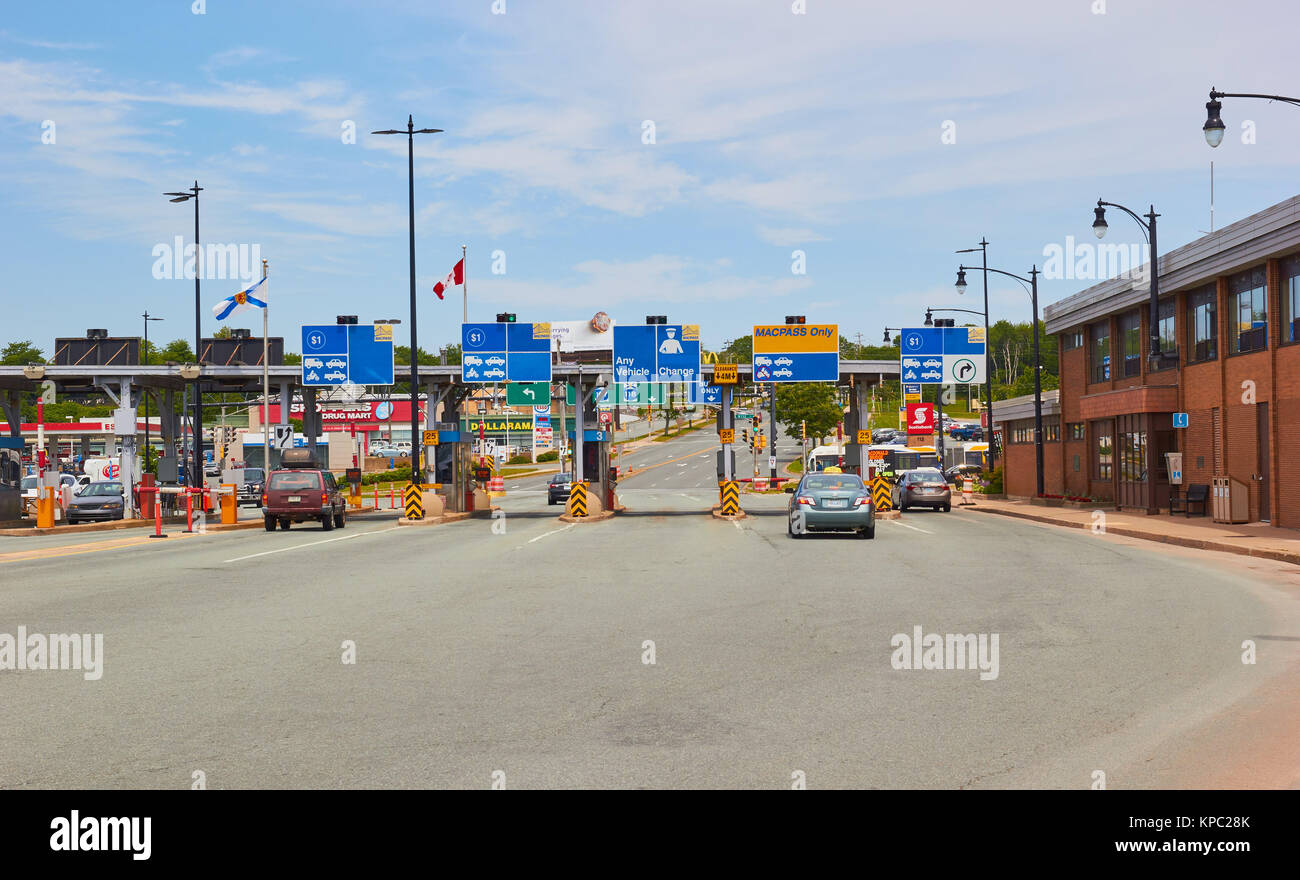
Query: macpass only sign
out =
(796, 353)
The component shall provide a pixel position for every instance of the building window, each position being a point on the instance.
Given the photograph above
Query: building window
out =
(1248, 310)
(1167, 329)
(1133, 457)
(1051, 433)
(1100, 335)
(1076, 431)
(1104, 454)
(1130, 337)
(1291, 299)
(1202, 325)
(1023, 435)
(1074, 339)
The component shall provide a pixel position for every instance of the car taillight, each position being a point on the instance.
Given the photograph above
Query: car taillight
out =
(324, 498)
(264, 499)
(804, 499)
(860, 500)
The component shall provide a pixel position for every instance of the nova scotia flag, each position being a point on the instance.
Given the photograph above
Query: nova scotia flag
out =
(241, 302)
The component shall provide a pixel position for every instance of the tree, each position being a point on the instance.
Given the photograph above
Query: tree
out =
(292, 359)
(855, 352)
(17, 354)
(224, 333)
(815, 403)
(738, 351)
(177, 350)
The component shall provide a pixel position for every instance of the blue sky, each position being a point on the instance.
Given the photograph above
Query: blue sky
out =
(774, 132)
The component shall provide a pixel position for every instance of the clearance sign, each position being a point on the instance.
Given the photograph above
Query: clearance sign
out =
(796, 353)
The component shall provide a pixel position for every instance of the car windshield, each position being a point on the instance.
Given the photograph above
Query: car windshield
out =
(102, 489)
(30, 482)
(253, 475)
(834, 481)
(295, 480)
(561, 478)
(925, 476)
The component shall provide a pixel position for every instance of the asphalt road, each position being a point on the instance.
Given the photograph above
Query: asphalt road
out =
(518, 645)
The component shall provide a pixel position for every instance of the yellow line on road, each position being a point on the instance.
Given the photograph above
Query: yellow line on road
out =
(636, 472)
(77, 549)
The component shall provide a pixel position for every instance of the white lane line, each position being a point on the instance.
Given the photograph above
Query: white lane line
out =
(552, 532)
(310, 544)
(906, 526)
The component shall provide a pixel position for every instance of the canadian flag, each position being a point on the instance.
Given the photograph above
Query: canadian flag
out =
(454, 277)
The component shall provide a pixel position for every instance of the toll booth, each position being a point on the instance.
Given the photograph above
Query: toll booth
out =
(11, 475)
(596, 469)
(452, 468)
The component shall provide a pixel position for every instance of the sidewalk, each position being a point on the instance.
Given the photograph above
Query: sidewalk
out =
(1245, 539)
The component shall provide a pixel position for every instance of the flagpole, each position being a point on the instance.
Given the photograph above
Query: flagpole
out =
(266, 380)
(464, 274)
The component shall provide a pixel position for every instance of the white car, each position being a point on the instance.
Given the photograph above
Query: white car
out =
(335, 362)
(495, 374)
(497, 361)
(336, 376)
(784, 362)
(932, 374)
(934, 362)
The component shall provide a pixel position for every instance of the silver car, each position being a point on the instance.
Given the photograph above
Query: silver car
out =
(831, 502)
(102, 500)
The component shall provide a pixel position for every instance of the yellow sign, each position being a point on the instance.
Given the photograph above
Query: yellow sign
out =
(974, 334)
(864, 438)
(430, 438)
(877, 454)
(802, 338)
(690, 332)
(383, 333)
(725, 374)
(542, 331)
(727, 435)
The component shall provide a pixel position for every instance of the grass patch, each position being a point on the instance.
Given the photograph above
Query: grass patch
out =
(796, 466)
(687, 430)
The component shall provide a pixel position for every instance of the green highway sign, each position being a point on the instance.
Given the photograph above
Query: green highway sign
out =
(528, 394)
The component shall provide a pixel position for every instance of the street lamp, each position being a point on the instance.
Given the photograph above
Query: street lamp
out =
(147, 318)
(410, 132)
(196, 475)
(1214, 127)
(889, 341)
(1032, 280)
(961, 289)
(1099, 228)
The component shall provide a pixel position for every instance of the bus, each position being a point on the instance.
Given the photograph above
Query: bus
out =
(897, 457)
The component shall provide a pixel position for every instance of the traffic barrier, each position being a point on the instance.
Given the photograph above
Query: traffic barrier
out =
(189, 512)
(44, 507)
(497, 484)
(760, 484)
(157, 511)
(413, 502)
(882, 497)
(577, 499)
(730, 498)
(968, 491)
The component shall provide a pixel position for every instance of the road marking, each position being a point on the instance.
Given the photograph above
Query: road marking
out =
(552, 532)
(78, 549)
(906, 526)
(311, 544)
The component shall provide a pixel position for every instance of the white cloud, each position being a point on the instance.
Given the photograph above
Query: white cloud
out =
(788, 237)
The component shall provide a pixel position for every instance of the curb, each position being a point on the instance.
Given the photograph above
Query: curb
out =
(889, 514)
(1176, 540)
(600, 517)
(718, 514)
(433, 520)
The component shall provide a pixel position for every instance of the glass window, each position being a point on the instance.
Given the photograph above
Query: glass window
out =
(1202, 325)
(1072, 340)
(1051, 433)
(1248, 305)
(1104, 454)
(1167, 329)
(1291, 299)
(1130, 335)
(1076, 431)
(290, 480)
(1100, 333)
(1133, 457)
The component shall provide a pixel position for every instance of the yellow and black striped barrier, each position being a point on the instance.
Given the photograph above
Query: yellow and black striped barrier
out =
(882, 497)
(730, 498)
(577, 499)
(413, 501)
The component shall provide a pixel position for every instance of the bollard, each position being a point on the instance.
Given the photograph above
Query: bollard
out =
(376, 496)
(44, 508)
(189, 511)
(157, 514)
(392, 498)
(229, 504)
(968, 491)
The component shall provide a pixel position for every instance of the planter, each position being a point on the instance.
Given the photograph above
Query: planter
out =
(1048, 502)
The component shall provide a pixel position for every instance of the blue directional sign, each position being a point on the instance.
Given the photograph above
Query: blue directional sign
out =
(942, 355)
(796, 353)
(505, 352)
(656, 353)
(335, 354)
(590, 436)
(703, 392)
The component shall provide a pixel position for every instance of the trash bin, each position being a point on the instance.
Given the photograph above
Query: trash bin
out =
(1230, 500)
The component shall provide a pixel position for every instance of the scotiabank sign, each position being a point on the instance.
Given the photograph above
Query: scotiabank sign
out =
(920, 418)
(369, 415)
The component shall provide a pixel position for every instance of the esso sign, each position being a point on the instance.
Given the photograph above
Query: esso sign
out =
(920, 418)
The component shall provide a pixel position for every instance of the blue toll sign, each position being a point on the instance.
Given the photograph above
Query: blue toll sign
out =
(656, 353)
(505, 352)
(337, 354)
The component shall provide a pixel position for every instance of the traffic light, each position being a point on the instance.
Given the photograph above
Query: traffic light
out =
(656, 319)
(794, 319)
(505, 317)
(744, 434)
(346, 319)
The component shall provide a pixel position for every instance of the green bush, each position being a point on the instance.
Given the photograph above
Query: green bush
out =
(401, 475)
(992, 482)
(521, 459)
(549, 456)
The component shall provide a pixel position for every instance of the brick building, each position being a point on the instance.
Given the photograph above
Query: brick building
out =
(1230, 307)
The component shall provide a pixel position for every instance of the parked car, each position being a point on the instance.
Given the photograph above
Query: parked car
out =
(97, 501)
(957, 473)
(922, 487)
(251, 490)
(830, 502)
(300, 491)
(557, 489)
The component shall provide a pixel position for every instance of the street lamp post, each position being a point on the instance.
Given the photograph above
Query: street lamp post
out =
(147, 318)
(1099, 227)
(1214, 127)
(1032, 281)
(988, 376)
(196, 475)
(411, 131)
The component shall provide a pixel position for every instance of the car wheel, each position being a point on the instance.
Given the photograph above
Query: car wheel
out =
(869, 532)
(338, 521)
(284, 525)
(269, 522)
(947, 507)
(327, 522)
(550, 500)
(789, 530)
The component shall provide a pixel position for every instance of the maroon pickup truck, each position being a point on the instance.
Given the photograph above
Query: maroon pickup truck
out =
(300, 492)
